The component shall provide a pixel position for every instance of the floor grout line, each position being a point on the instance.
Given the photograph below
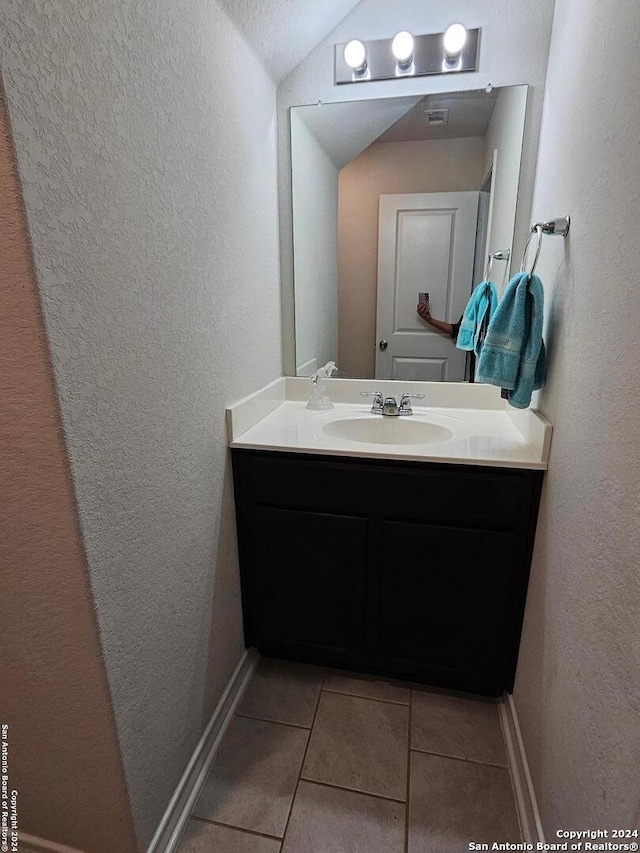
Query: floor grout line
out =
(446, 693)
(277, 722)
(304, 758)
(368, 698)
(237, 828)
(352, 790)
(459, 758)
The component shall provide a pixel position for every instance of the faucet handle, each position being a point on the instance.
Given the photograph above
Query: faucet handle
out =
(405, 403)
(378, 400)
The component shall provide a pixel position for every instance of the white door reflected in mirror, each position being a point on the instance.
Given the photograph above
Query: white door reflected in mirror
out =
(426, 242)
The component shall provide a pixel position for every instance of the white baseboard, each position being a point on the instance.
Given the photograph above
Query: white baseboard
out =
(525, 795)
(174, 820)
(33, 842)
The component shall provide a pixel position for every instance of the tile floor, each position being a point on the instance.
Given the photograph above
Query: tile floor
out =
(316, 761)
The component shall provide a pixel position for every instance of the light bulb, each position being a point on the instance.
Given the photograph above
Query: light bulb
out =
(402, 48)
(454, 40)
(355, 55)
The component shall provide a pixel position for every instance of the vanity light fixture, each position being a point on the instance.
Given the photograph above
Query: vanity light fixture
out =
(453, 51)
(402, 49)
(355, 56)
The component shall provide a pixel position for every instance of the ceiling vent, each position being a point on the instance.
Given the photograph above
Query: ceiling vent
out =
(433, 117)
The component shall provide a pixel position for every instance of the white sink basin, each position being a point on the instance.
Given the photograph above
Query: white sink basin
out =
(381, 430)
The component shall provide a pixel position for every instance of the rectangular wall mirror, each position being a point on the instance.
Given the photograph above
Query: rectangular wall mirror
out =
(393, 198)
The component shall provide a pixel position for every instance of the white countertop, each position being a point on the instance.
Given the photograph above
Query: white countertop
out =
(484, 433)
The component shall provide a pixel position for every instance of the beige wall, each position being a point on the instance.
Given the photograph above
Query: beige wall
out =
(64, 758)
(443, 165)
(578, 685)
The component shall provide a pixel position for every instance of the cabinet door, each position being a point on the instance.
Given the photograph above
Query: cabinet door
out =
(309, 578)
(444, 595)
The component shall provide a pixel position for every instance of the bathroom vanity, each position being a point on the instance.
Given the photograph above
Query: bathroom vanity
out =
(408, 560)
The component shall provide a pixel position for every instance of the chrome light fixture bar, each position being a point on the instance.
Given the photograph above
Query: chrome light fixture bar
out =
(388, 59)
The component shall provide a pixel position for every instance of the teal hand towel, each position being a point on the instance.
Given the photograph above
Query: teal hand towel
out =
(513, 356)
(477, 315)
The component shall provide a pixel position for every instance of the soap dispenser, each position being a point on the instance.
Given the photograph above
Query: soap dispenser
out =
(319, 400)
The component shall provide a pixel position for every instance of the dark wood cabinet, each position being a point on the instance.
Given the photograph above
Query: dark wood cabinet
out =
(415, 570)
(444, 604)
(311, 592)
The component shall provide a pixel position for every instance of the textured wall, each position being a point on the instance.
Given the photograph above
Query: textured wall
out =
(515, 45)
(439, 165)
(315, 200)
(283, 31)
(64, 757)
(145, 135)
(578, 686)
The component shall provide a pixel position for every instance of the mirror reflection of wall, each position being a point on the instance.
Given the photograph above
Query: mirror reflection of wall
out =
(393, 197)
(315, 190)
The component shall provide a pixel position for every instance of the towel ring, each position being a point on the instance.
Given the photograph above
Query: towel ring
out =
(488, 267)
(537, 229)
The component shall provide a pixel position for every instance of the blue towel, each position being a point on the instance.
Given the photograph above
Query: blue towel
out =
(513, 356)
(480, 309)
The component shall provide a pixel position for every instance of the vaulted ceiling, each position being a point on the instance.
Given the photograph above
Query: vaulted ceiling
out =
(283, 32)
(344, 130)
(365, 121)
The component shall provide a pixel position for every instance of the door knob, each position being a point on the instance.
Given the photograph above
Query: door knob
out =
(383, 345)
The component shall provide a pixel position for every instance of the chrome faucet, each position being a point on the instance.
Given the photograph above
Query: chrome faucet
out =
(388, 406)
